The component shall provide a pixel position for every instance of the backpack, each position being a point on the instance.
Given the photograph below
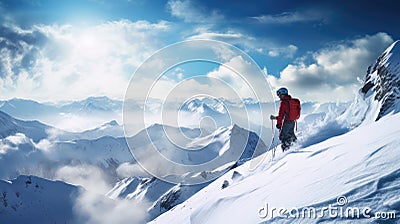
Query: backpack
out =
(294, 109)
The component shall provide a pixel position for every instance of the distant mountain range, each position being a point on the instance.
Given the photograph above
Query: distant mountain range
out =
(29, 109)
(28, 148)
(71, 116)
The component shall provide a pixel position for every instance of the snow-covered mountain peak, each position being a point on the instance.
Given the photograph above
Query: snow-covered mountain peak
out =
(204, 105)
(380, 93)
(196, 109)
(383, 81)
(93, 104)
(196, 146)
(112, 123)
(232, 145)
(391, 56)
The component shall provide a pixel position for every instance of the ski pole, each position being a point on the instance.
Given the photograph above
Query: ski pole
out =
(273, 140)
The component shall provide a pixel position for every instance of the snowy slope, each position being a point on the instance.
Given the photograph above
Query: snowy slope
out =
(106, 151)
(11, 126)
(162, 195)
(27, 109)
(360, 165)
(111, 128)
(29, 199)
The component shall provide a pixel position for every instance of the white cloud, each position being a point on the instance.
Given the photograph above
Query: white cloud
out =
(93, 208)
(190, 12)
(236, 79)
(11, 142)
(17, 139)
(288, 51)
(230, 35)
(44, 145)
(245, 41)
(68, 63)
(294, 17)
(131, 170)
(332, 73)
(78, 123)
(248, 81)
(90, 177)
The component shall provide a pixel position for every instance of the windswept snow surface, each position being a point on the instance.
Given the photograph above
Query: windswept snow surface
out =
(361, 165)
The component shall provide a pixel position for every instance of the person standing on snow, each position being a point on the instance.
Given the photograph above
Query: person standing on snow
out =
(289, 112)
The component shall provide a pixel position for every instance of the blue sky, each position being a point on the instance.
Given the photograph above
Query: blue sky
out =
(312, 47)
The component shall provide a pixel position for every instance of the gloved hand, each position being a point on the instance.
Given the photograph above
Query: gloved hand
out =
(272, 117)
(278, 126)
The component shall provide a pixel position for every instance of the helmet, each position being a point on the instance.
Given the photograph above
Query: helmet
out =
(282, 91)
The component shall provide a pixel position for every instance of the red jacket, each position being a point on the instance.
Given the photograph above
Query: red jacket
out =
(283, 113)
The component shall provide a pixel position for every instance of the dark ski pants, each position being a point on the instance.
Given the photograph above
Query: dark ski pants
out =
(287, 135)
